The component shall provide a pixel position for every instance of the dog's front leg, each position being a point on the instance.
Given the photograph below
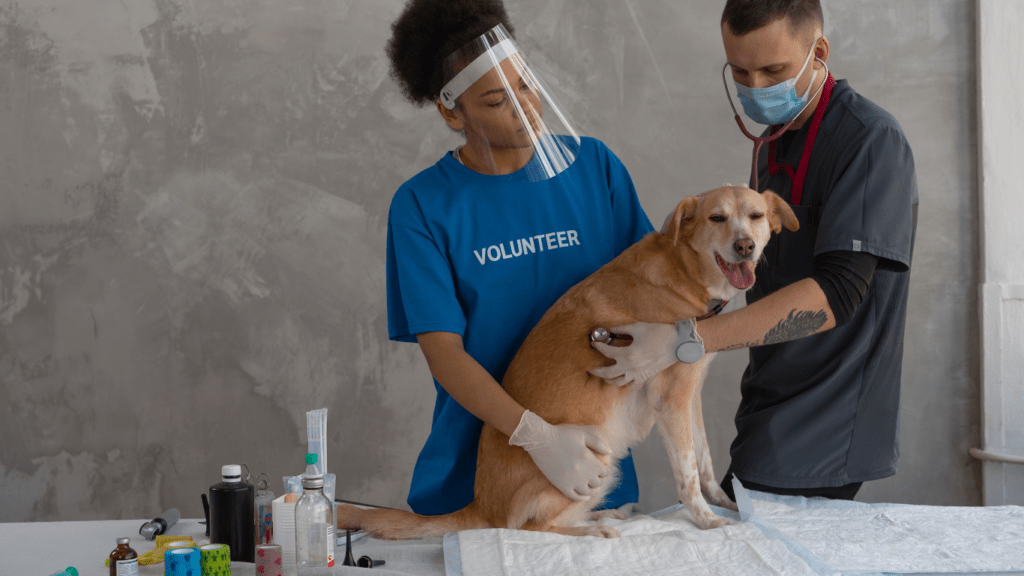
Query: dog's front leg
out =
(708, 484)
(673, 414)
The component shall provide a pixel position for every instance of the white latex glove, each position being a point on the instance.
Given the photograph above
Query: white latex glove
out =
(565, 454)
(655, 347)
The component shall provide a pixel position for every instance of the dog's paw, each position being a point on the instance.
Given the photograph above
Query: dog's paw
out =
(708, 521)
(602, 531)
(599, 531)
(714, 494)
(729, 504)
(598, 515)
(724, 502)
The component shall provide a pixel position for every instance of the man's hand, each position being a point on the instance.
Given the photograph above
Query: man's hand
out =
(655, 347)
(565, 454)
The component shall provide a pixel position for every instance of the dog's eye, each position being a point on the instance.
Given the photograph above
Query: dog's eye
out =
(756, 216)
(718, 218)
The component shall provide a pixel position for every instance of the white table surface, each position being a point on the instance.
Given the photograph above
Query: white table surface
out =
(45, 548)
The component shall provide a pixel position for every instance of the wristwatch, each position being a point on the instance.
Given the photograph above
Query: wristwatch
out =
(691, 345)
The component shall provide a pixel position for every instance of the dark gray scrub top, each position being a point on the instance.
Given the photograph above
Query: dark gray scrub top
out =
(823, 411)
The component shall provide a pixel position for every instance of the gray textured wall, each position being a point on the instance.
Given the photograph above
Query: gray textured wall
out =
(192, 225)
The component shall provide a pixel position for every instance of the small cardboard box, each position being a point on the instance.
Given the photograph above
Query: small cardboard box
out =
(284, 530)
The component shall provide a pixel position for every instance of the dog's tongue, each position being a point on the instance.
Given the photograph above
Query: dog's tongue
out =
(741, 275)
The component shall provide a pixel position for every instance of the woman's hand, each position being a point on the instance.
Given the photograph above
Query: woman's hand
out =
(567, 455)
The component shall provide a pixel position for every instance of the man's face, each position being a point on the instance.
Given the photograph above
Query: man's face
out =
(769, 55)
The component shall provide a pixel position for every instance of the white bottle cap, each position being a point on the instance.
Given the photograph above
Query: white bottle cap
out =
(231, 473)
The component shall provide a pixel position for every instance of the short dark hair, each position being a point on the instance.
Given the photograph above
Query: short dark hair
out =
(745, 16)
(427, 32)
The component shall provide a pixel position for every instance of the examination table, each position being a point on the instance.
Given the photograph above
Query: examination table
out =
(781, 535)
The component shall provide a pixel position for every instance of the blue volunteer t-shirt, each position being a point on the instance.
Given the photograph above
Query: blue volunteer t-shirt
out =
(484, 257)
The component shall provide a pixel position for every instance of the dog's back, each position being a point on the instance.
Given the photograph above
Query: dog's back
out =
(647, 282)
(661, 279)
(548, 375)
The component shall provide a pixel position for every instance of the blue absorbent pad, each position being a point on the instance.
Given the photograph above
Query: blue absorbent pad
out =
(781, 535)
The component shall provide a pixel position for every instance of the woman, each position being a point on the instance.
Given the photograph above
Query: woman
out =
(484, 241)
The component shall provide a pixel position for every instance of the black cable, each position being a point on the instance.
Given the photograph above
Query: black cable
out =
(363, 504)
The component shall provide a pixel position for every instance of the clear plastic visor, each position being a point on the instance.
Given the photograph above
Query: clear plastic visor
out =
(512, 121)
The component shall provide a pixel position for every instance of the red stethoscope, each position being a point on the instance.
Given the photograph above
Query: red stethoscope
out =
(777, 131)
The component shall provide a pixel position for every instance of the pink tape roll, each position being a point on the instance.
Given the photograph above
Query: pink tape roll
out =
(268, 560)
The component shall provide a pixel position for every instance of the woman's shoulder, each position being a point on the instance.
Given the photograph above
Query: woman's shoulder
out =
(596, 149)
(591, 145)
(432, 176)
(414, 192)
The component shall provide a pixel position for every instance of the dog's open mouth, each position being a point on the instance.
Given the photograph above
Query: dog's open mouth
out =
(740, 275)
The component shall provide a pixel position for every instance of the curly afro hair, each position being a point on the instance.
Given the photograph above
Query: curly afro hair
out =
(427, 32)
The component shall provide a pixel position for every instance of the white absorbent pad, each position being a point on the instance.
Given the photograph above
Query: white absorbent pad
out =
(670, 545)
(782, 535)
(853, 536)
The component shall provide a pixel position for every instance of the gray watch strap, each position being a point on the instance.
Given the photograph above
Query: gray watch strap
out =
(691, 346)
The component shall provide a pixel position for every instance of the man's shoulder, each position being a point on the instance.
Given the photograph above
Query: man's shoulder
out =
(860, 117)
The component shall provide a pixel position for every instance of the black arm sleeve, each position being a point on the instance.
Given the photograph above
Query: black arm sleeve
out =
(843, 276)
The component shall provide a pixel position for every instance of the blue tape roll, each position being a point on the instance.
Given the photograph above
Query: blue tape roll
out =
(181, 562)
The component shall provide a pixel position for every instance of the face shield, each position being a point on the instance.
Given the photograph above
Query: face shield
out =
(506, 106)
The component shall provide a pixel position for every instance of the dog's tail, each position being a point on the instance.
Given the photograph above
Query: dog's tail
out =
(389, 524)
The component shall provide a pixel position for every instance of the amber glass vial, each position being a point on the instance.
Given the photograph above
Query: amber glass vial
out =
(123, 560)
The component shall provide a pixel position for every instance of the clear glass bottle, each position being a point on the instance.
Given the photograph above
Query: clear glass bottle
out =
(314, 527)
(123, 560)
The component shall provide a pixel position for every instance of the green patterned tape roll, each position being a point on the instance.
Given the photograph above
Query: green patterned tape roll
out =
(215, 560)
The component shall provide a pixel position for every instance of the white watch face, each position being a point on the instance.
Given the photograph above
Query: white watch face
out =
(689, 352)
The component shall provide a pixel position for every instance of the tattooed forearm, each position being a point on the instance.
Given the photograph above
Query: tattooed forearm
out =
(743, 345)
(796, 325)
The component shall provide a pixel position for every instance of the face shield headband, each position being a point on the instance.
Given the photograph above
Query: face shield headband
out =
(527, 116)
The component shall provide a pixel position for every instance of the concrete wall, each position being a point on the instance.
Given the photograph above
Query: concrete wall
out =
(192, 226)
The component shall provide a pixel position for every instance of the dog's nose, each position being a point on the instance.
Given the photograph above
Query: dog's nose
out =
(744, 246)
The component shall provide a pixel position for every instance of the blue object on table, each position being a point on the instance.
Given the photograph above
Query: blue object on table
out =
(181, 562)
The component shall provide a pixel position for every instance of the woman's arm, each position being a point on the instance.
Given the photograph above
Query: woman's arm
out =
(468, 382)
(567, 455)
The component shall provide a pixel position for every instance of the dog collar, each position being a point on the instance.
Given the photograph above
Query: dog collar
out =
(714, 307)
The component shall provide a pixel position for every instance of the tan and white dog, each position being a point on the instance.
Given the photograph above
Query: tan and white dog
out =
(707, 250)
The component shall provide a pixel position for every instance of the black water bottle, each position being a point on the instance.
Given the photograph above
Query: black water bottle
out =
(231, 514)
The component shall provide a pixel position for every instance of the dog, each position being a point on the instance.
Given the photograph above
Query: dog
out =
(707, 250)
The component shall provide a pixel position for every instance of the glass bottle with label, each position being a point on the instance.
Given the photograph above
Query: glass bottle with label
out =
(314, 526)
(123, 560)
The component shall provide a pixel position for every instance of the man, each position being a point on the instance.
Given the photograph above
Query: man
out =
(825, 319)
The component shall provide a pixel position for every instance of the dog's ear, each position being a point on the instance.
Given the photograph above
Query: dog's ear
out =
(779, 213)
(676, 221)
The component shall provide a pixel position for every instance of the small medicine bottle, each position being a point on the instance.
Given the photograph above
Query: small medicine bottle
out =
(123, 560)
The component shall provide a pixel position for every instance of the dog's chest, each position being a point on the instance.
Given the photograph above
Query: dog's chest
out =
(631, 418)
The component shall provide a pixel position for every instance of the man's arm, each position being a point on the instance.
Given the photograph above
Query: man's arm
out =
(796, 311)
(825, 300)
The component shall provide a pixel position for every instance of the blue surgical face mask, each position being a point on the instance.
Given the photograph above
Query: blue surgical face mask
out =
(776, 104)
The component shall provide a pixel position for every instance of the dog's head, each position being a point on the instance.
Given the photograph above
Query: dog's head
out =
(728, 228)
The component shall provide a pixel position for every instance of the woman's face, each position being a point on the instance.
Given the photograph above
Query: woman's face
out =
(489, 112)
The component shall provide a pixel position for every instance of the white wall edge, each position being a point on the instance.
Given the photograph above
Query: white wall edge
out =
(1001, 199)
